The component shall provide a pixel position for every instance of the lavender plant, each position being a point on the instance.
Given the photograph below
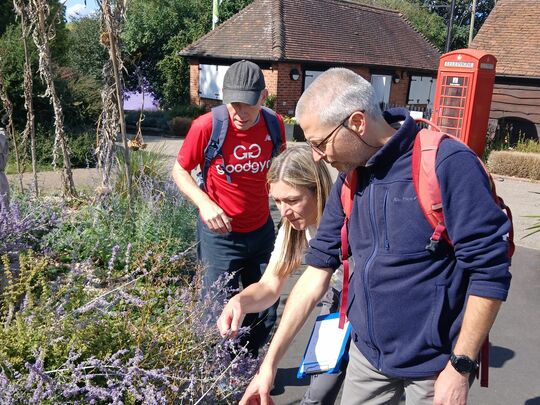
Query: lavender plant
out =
(107, 307)
(141, 336)
(159, 220)
(24, 222)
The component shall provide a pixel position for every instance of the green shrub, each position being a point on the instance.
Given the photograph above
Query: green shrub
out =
(144, 165)
(81, 146)
(179, 126)
(517, 164)
(289, 120)
(528, 146)
(140, 331)
(270, 101)
(151, 119)
(191, 111)
(503, 141)
(115, 307)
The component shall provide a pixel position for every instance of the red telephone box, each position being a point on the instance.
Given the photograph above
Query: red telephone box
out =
(463, 95)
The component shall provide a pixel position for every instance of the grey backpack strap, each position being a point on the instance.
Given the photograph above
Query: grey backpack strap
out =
(274, 129)
(220, 123)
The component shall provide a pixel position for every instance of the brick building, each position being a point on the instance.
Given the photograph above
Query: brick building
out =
(294, 41)
(512, 34)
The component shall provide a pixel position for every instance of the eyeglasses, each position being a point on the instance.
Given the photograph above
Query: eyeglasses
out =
(317, 148)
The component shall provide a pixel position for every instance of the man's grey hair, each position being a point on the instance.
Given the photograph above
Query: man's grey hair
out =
(335, 95)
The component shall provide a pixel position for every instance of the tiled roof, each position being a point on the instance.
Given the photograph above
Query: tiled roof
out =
(333, 31)
(512, 33)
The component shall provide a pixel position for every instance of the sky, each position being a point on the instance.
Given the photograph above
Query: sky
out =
(77, 7)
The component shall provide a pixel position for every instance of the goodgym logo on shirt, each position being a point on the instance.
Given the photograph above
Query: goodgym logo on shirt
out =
(243, 153)
(253, 152)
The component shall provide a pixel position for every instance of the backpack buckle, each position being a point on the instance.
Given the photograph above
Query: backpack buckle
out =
(433, 245)
(437, 246)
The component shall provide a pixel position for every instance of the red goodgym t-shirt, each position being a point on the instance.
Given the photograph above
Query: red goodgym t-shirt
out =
(247, 155)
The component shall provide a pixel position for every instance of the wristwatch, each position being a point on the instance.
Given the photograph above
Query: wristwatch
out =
(463, 364)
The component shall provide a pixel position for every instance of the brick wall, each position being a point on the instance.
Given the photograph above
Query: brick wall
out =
(289, 91)
(398, 91)
(194, 82)
(271, 79)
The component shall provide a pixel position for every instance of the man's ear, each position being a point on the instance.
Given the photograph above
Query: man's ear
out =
(263, 97)
(357, 122)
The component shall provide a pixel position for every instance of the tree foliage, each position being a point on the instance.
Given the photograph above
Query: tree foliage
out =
(431, 25)
(157, 30)
(11, 49)
(7, 16)
(77, 89)
(461, 18)
(85, 54)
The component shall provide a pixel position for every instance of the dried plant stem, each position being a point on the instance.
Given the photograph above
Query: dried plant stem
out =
(218, 378)
(8, 106)
(29, 130)
(112, 26)
(38, 11)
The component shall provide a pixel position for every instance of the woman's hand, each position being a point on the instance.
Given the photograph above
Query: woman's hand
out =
(231, 317)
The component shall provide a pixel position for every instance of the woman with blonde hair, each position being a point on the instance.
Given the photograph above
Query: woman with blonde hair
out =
(299, 187)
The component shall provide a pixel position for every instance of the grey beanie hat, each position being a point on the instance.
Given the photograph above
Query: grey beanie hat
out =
(243, 83)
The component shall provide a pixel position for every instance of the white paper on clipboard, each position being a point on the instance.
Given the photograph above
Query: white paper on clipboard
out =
(326, 346)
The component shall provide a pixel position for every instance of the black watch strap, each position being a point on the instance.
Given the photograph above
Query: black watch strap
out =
(463, 364)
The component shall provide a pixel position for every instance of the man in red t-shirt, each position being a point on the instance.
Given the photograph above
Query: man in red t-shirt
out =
(235, 231)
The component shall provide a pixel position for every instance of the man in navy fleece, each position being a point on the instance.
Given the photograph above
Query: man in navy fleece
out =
(419, 318)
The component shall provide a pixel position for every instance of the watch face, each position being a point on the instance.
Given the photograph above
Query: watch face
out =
(463, 364)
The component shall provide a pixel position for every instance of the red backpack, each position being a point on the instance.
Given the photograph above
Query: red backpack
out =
(428, 191)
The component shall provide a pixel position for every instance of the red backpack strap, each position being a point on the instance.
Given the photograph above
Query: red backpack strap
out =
(348, 189)
(482, 372)
(426, 183)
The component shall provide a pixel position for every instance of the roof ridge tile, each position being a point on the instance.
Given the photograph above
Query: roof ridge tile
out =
(278, 33)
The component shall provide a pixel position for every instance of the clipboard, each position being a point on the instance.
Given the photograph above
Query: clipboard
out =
(326, 346)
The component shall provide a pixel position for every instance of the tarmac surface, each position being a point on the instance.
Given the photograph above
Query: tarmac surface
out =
(515, 337)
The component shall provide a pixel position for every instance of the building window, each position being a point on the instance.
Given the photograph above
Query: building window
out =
(310, 76)
(211, 81)
(381, 84)
(422, 90)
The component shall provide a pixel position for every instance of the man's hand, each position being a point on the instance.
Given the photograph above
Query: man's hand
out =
(214, 217)
(212, 214)
(451, 387)
(230, 317)
(258, 391)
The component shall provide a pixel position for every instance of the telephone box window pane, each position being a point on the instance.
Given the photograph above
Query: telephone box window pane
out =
(450, 122)
(453, 101)
(454, 81)
(452, 112)
(455, 91)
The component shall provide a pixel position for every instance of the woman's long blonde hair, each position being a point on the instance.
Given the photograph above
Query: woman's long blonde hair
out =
(296, 167)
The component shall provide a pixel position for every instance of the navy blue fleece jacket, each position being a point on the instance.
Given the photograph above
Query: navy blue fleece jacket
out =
(406, 303)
